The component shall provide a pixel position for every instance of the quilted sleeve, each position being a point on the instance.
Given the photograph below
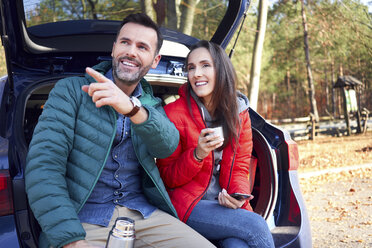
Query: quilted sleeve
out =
(181, 167)
(46, 166)
(158, 132)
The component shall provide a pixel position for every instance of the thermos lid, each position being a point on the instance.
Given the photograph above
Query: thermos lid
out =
(124, 227)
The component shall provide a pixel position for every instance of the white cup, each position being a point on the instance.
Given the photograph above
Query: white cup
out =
(218, 131)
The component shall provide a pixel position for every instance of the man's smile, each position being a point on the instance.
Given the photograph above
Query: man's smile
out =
(129, 63)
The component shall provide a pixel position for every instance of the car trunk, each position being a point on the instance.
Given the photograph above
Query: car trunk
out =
(265, 184)
(37, 61)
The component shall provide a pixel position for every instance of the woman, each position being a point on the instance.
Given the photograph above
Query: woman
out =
(206, 168)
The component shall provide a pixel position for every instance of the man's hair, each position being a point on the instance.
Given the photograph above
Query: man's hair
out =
(144, 20)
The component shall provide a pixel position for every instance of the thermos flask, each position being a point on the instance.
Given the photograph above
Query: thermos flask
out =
(122, 234)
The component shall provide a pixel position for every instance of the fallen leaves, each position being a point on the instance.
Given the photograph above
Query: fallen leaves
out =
(339, 204)
(332, 152)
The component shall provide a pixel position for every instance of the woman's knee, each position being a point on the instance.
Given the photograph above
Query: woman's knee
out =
(258, 223)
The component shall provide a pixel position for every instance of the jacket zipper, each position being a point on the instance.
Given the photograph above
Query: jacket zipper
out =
(232, 164)
(231, 169)
(200, 196)
(134, 138)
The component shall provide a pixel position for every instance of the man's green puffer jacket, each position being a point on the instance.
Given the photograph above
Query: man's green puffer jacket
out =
(69, 149)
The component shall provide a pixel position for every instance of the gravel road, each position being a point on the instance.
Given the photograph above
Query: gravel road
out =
(340, 210)
(338, 191)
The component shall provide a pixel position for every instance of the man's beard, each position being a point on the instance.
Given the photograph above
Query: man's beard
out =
(126, 76)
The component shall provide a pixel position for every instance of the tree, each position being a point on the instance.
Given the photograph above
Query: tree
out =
(187, 16)
(339, 33)
(3, 70)
(172, 16)
(242, 57)
(257, 54)
(311, 89)
(147, 8)
(283, 74)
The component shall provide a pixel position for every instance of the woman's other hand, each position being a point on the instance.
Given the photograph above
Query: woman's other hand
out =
(207, 142)
(228, 201)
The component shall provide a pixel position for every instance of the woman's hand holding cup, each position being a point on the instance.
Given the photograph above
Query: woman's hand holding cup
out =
(209, 140)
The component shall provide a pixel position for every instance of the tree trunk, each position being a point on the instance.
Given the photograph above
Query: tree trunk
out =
(84, 9)
(172, 20)
(187, 15)
(288, 80)
(341, 74)
(257, 54)
(297, 92)
(289, 98)
(205, 14)
(326, 89)
(333, 89)
(341, 70)
(93, 8)
(147, 8)
(311, 87)
(159, 8)
(54, 10)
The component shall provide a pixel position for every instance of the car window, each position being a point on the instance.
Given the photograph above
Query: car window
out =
(198, 18)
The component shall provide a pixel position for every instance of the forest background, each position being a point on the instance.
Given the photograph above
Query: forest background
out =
(339, 42)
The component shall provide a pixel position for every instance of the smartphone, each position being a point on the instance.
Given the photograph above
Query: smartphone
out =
(241, 196)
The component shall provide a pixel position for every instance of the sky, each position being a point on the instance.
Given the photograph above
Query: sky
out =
(366, 2)
(369, 4)
(30, 3)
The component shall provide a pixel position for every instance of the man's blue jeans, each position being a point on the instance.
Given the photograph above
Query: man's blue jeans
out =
(233, 228)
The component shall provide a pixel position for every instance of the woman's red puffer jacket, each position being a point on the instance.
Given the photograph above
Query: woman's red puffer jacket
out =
(186, 178)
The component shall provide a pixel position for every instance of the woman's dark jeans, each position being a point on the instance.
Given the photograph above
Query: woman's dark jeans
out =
(232, 228)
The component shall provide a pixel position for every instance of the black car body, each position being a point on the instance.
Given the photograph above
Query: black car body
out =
(39, 55)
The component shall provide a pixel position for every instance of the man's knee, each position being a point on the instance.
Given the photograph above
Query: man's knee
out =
(168, 231)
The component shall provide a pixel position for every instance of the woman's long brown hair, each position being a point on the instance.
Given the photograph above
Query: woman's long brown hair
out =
(224, 98)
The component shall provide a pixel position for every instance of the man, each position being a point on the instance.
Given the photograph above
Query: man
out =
(91, 158)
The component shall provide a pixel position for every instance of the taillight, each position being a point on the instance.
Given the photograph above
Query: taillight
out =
(293, 158)
(6, 200)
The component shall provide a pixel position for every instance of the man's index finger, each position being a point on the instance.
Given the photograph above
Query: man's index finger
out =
(96, 75)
